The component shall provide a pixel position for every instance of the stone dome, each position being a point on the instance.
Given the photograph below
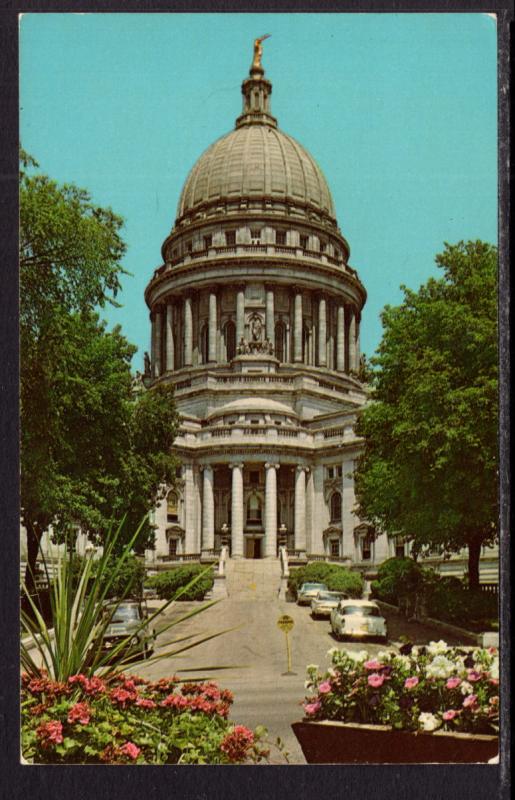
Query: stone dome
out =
(256, 160)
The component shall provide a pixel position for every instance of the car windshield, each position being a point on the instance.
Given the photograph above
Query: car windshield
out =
(308, 586)
(362, 611)
(125, 614)
(329, 596)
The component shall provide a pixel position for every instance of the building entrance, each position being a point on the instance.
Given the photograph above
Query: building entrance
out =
(252, 547)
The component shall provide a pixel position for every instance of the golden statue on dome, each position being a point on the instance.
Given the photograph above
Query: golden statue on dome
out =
(258, 51)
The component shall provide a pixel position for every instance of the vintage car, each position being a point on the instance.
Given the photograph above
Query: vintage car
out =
(126, 621)
(324, 602)
(358, 619)
(308, 591)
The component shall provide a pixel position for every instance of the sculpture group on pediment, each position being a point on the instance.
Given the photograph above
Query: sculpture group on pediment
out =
(252, 348)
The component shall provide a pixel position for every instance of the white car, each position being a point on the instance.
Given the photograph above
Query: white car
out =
(324, 602)
(308, 591)
(358, 619)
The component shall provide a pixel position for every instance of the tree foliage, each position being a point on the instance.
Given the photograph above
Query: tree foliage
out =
(429, 464)
(91, 450)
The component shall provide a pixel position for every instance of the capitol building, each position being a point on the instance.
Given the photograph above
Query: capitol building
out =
(255, 319)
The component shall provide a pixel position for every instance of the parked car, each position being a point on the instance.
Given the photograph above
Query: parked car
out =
(308, 591)
(324, 602)
(358, 619)
(127, 621)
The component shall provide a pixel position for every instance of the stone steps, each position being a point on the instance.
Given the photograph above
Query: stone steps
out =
(253, 579)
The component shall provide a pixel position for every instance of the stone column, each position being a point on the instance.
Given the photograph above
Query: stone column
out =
(271, 510)
(208, 508)
(170, 343)
(237, 511)
(300, 509)
(340, 339)
(188, 331)
(240, 314)
(297, 327)
(352, 339)
(270, 320)
(158, 324)
(320, 511)
(322, 332)
(310, 502)
(190, 539)
(357, 352)
(349, 519)
(152, 343)
(212, 326)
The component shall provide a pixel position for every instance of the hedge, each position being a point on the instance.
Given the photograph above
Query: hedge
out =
(168, 583)
(336, 578)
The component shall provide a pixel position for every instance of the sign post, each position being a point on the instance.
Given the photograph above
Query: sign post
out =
(285, 624)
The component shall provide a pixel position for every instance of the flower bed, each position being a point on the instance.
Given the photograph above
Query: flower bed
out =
(128, 720)
(419, 689)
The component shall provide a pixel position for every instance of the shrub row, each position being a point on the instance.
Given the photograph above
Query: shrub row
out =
(402, 581)
(168, 583)
(336, 578)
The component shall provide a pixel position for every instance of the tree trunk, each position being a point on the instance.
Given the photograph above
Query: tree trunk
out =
(33, 540)
(473, 566)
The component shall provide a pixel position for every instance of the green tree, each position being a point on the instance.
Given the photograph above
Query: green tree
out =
(91, 449)
(430, 459)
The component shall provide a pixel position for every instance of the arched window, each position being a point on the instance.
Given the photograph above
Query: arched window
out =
(230, 340)
(204, 343)
(254, 510)
(336, 507)
(280, 332)
(172, 507)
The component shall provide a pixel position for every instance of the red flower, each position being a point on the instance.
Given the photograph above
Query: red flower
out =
(130, 749)
(237, 743)
(38, 709)
(122, 696)
(80, 712)
(143, 702)
(50, 733)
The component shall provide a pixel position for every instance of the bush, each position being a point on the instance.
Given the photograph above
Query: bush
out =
(450, 601)
(129, 580)
(336, 578)
(168, 583)
(397, 578)
(128, 720)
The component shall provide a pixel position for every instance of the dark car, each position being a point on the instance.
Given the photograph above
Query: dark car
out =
(127, 623)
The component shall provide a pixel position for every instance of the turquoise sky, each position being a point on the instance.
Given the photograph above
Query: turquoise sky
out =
(399, 110)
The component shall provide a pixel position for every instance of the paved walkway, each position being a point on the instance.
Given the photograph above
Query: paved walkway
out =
(253, 579)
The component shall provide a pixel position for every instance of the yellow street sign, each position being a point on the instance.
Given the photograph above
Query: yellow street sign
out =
(285, 623)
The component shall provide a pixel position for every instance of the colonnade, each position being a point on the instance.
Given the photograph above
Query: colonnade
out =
(166, 316)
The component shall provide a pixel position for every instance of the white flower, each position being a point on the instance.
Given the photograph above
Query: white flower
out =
(362, 655)
(383, 656)
(494, 669)
(332, 672)
(428, 722)
(312, 667)
(414, 651)
(440, 667)
(332, 651)
(403, 661)
(437, 648)
(466, 688)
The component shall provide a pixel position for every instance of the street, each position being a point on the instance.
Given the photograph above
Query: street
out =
(255, 650)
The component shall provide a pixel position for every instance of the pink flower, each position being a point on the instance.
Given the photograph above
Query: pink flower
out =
(375, 680)
(130, 749)
(372, 664)
(325, 687)
(143, 702)
(494, 681)
(312, 708)
(80, 712)
(453, 683)
(473, 675)
(410, 683)
(450, 714)
(122, 696)
(470, 700)
(50, 733)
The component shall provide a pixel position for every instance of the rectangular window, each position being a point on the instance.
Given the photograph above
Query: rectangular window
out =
(330, 472)
(399, 549)
(189, 246)
(208, 241)
(366, 548)
(323, 246)
(172, 547)
(304, 242)
(335, 547)
(254, 478)
(339, 471)
(255, 235)
(280, 237)
(230, 237)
